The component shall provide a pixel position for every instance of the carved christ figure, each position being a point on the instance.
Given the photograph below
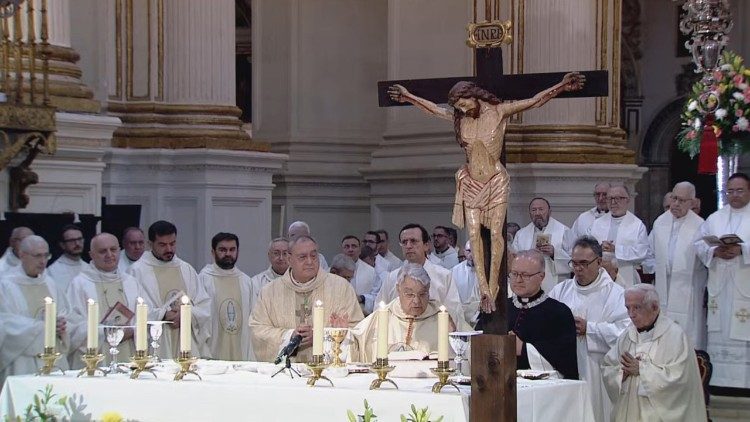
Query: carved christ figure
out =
(482, 184)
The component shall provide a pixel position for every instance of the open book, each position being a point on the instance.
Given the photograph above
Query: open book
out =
(725, 240)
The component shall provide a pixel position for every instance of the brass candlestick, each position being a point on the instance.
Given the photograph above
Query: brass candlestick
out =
(338, 335)
(443, 371)
(381, 368)
(317, 366)
(91, 359)
(140, 360)
(49, 357)
(186, 363)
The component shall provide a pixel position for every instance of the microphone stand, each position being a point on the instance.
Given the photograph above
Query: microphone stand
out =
(287, 365)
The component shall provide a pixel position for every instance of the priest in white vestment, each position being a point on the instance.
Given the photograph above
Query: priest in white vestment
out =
(598, 307)
(22, 304)
(385, 253)
(622, 233)
(115, 292)
(728, 318)
(164, 278)
(651, 373)
(443, 253)
(412, 319)
(549, 237)
(232, 300)
(133, 246)
(584, 221)
(464, 275)
(300, 228)
(364, 275)
(278, 254)
(10, 259)
(414, 241)
(680, 275)
(69, 264)
(284, 308)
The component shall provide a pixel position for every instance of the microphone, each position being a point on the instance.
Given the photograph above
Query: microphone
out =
(288, 349)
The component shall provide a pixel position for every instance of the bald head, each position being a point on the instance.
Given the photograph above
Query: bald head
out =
(16, 236)
(105, 252)
(297, 229)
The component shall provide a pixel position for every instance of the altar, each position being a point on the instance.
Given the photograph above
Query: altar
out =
(232, 390)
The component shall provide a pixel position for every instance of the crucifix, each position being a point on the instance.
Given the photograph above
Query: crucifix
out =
(742, 315)
(480, 118)
(304, 311)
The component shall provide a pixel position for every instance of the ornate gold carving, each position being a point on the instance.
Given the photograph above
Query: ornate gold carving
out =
(163, 108)
(489, 34)
(614, 119)
(118, 51)
(129, 51)
(603, 12)
(160, 51)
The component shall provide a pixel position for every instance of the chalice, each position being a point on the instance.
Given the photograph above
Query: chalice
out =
(156, 329)
(459, 341)
(114, 335)
(337, 335)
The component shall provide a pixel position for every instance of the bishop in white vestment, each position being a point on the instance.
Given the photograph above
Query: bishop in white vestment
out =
(10, 259)
(69, 264)
(623, 233)
(164, 278)
(651, 373)
(22, 304)
(728, 316)
(598, 307)
(115, 292)
(551, 244)
(680, 275)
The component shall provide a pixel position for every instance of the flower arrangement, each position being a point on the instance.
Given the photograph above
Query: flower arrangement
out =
(719, 104)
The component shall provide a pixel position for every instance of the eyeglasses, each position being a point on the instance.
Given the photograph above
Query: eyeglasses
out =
(600, 194)
(680, 200)
(618, 198)
(76, 240)
(525, 277)
(420, 296)
(41, 255)
(580, 264)
(734, 192)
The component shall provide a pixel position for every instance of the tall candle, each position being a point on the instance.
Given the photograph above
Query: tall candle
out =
(141, 316)
(50, 322)
(186, 317)
(318, 324)
(93, 327)
(382, 331)
(442, 335)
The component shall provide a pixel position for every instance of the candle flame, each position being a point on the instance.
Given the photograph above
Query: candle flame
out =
(185, 300)
(91, 301)
(382, 305)
(140, 301)
(442, 308)
(48, 300)
(318, 303)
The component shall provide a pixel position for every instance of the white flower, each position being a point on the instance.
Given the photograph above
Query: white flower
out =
(692, 105)
(697, 124)
(721, 113)
(742, 123)
(726, 67)
(742, 87)
(738, 96)
(55, 410)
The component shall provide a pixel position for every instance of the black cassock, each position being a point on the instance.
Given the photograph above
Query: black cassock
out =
(549, 326)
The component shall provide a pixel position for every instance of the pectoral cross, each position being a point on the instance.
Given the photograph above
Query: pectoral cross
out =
(303, 312)
(742, 315)
(712, 306)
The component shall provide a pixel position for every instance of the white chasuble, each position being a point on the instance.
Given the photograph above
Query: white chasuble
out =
(233, 297)
(631, 242)
(680, 275)
(284, 303)
(363, 278)
(446, 259)
(602, 305)
(8, 261)
(465, 279)
(728, 318)
(63, 270)
(556, 269)
(668, 387)
(107, 289)
(124, 263)
(163, 284)
(22, 322)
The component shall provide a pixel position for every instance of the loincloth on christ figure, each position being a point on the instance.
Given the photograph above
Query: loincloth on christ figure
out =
(473, 194)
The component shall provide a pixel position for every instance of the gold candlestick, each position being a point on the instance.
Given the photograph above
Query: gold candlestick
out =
(443, 371)
(338, 335)
(186, 363)
(140, 360)
(381, 368)
(317, 366)
(91, 359)
(49, 357)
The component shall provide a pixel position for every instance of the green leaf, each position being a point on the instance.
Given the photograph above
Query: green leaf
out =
(350, 416)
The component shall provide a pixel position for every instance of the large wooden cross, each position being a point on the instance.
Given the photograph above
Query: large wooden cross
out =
(493, 378)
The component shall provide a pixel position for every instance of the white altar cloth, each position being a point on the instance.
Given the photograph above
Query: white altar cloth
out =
(239, 394)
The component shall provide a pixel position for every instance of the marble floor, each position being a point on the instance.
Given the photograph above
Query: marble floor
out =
(726, 409)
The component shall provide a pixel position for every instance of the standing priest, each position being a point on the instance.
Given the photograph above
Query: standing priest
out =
(164, 279)
(284, 307)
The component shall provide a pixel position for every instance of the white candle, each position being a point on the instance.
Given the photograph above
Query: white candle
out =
(50, 322)
(442, 335)
(382, 331)
(186, 317)
(93, 328)
(141, 316)
(318, 324)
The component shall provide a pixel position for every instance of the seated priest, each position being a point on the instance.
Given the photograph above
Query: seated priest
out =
(412, 324)
(115, 292)
(544, 328)
(651, 373)
(22, 305)
(284, 307)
